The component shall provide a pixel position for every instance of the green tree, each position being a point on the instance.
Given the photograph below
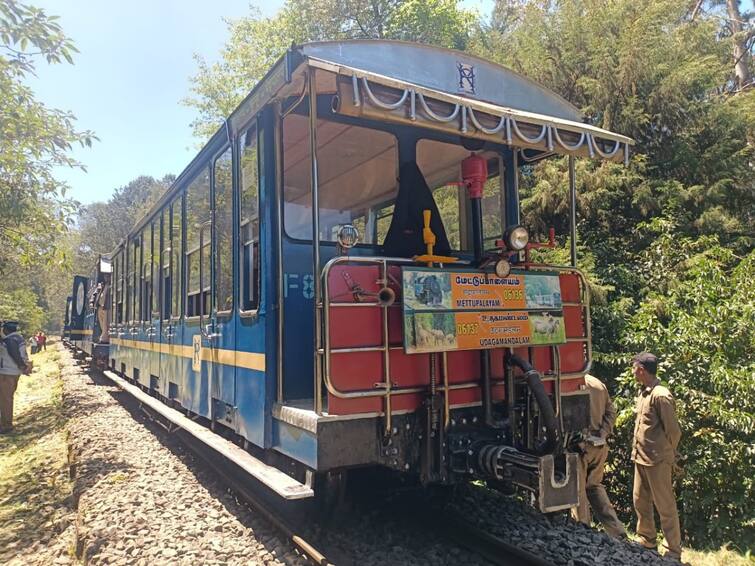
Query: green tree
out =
(667, 233)
(21, 305)
(697, 314)
(642, 69)
(103, 225)
(256, 43)
(34, 139)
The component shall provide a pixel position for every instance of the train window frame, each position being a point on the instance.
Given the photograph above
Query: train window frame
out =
(127, 282)
(255, 293)
(166, 282)
(495, 173)
(201, 312)
(177, 267)
(117, 292)
(136, 257)
(225, 313)
(377, 202)
(154, 310)
(145, 283)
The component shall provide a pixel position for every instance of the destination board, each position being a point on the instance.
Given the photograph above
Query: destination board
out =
(450, 310)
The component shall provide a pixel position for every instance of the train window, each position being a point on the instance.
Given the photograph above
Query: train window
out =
(440, 164)
(129, 279)
(136, 279)
(114, 280)
(250, 226)
(156, 229)
(493, 203)
(383, 217)
(146, 273)
(176, 255)
(197, 215)
(164, 265)
(223, 232)
(357, 170)
(118, 291)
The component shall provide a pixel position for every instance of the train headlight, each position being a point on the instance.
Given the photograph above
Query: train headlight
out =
(348, 236)
(502, 268)
(516, 238)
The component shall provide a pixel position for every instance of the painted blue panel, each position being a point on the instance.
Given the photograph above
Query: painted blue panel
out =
(296, 443)
(194, 390)
(223, 377)
(250, 391)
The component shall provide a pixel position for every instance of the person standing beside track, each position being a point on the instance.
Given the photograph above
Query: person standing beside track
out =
(656, 437)
(13, 362)
(593, 460)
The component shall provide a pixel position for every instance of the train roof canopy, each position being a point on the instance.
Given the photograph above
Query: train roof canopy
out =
(443, 70)
(427, 87)
(439, 89)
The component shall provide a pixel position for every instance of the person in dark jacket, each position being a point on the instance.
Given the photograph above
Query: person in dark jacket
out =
(13, 362)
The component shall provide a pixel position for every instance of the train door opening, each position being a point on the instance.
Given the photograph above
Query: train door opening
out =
(220, 331)
(170, 300)
(357, 175)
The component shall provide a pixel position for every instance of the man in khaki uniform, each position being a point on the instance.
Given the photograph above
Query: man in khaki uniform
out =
(592, 462)
(656, 436)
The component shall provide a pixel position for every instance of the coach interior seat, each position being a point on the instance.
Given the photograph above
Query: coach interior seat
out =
(404, 237)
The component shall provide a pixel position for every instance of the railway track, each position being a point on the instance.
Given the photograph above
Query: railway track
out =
(320, 541)
(246, 490)
(493, 549)
(490, 547)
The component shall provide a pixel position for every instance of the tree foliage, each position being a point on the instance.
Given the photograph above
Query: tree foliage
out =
(666, 235)
(34, 139)
(103, 225)
(667, 242)
(640, 68)
(698, 313)
(256, 43)
(22, 305)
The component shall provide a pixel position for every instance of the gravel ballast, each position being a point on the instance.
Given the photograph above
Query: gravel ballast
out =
(140, 497)
(143, 499)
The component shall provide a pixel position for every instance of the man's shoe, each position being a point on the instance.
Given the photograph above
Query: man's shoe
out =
(673, 556)
(647, 545)
(6, 430)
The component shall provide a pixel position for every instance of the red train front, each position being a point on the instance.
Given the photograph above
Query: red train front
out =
(476, 375)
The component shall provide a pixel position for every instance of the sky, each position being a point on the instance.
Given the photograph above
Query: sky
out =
(133, 68)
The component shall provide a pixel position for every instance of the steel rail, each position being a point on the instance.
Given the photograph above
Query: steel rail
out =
(223, 469)
(289, 531)
(487, 545)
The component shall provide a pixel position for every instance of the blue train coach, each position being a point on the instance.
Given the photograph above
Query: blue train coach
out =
(340, 279)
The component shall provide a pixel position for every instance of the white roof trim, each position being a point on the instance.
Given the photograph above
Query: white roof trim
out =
(465, 108)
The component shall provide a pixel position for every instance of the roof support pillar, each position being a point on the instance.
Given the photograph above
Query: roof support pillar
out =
(511, 187)
(572, 212)
(312, 88)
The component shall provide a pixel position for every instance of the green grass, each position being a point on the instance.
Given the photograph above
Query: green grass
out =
(34, 484)
(722, 557)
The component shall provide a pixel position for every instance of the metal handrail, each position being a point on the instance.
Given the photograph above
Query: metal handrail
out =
(205, 226)
(385, 388)
(584, 304)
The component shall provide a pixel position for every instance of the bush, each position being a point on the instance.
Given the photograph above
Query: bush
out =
(699, 319)
(21, 305)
